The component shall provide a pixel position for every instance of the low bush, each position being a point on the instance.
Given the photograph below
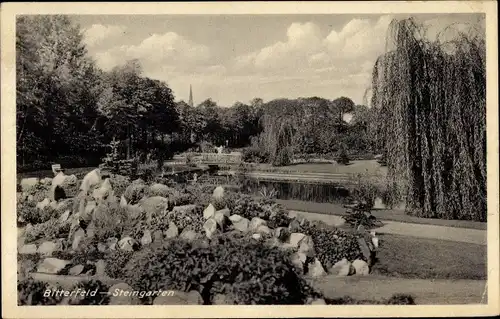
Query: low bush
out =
(331, 244)
(51, 229)
(31, 292)
(135, 192)
(254, 154)
(396, 299)
(115, 263)
(119, 183)
(232, 264)
(26, 264)
(111, 221)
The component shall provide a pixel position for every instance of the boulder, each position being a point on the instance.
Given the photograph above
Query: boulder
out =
(103, 192)
(342, 268)
(179, 298)
(134, 211)
(282, 234)
(209, 212)
(218, 193)
(100, 268)
(70, 186)
(123, 202)
(210, 227)
(53, 204)
(146, 238)
(226, 212)
(78, 236)
(122, 295)
(306, 246)
(44, 203)
(46, 181)
(154, 206)
(361, 267)
(316, 269)
(28, 183)
(241, 225)
(257, 236)
(172, 231)
(52, 265)
(159, 190)
(28, 249)
(76, 270)
(58, 179)
(128, 244)
(294, 226)
(188, 235)
(47, 248)
(295, 239)
(318, 301)
(256, 222)
(111, 243)
(375, 242)
(235, 218)
(91, 179)
(263, 229)
(88, 213)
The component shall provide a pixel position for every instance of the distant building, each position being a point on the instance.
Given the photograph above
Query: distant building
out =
(191, 104)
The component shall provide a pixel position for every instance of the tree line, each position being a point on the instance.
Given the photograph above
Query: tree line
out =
(68, 110)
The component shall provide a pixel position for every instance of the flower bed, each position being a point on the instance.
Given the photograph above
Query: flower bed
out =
(208, 244)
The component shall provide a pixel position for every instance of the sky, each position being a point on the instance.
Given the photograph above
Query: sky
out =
(231, 58)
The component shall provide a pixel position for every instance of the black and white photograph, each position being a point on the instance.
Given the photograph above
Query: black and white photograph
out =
(178, 159)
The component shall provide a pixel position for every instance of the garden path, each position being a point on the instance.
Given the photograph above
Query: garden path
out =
(466, 235)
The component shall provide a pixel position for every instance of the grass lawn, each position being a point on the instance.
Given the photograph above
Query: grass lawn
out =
(362, 166)
(382, 214)
(411, 257)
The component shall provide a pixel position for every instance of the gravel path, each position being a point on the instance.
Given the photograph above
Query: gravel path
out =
(464, 235)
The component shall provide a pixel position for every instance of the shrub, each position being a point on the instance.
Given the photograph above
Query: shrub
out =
(254, 154)
(48, 230)
(115, 263)
(332, 244)
(183, 220)
(364, 188)
(283, 157)
(119, 184)
(111, 221)
(135, 192)
(232, 264)
(343, 157)
(26, 264)
(30, 292)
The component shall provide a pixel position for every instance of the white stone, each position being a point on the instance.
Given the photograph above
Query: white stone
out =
(295, 239)
(91, 179)
(263, 229)
(256, 222)
(235, 218)
(375, 242)
(210, 227)
(257, 236)
(361, 267)
(64, 216)
(28, 183)
(241, 225)
(76, 270)
(28, 249)
(52, 265)
(209, 212)
(79, 235)
(123, 202)
(172, 231)
(47, 248)
(127, 244)
(342, 268)
(218, 193)
(146, 238)
(316, 269)
(306, 246)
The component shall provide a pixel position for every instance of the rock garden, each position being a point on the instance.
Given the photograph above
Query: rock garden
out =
(207, 244)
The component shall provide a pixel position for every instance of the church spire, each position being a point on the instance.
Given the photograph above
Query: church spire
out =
(190, 96)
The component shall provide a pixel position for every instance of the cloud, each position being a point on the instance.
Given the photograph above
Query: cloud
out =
(168, 51)
(98, 32)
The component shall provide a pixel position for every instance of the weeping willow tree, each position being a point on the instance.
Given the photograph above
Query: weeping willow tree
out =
(431, 101)
(277, 139)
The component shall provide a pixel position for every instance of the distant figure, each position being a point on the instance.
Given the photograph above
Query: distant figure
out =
(219, 149)
(195, 178)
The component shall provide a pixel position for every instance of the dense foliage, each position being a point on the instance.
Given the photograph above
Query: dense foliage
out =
(247, 271)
